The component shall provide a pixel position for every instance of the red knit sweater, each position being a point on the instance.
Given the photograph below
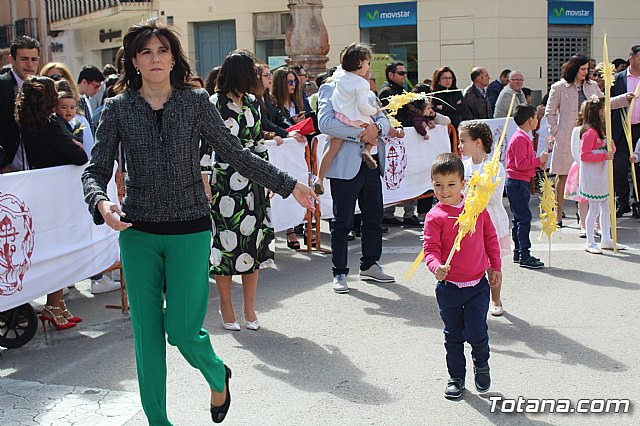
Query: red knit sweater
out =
(477, 252)
(521, 160)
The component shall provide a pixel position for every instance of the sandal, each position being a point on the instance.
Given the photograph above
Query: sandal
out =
(293, 245)
(67, 315)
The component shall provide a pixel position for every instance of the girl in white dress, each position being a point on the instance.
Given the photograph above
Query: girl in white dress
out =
(594, 185)
(476, 142)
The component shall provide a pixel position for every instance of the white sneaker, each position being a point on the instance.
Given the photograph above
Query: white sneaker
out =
(104, 285)
(608, 245)
(340, 284)
(592, 249)
(582, 233)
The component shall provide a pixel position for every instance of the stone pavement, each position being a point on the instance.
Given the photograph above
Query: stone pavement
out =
(371, 357)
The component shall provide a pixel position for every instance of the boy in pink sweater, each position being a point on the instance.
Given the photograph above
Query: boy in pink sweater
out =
(462, 291)
(521, 167)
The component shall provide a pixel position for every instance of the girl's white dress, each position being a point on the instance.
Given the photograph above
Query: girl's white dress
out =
(495, 208)
(594, 184)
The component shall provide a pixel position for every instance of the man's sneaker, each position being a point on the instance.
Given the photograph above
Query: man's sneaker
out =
(104, 285)
(375, 273)
(531, 263)
(340, 284)
(516, 257)
(454, 388)
(482, 379)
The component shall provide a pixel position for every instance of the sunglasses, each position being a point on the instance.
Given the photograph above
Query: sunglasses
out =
(267, 75)
(292, 82)
(56, 77)
(401, 72)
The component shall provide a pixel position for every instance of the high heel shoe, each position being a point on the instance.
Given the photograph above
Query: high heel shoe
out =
(293, 245)
(67, 315)
(58, 321)
(219, 413)
(233, 326)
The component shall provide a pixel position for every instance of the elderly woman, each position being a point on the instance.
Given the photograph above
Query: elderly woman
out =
(164, 224)
(47, 143)
(562, 109)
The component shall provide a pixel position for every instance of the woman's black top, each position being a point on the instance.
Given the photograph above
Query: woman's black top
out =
(52, 145)
(451, 107)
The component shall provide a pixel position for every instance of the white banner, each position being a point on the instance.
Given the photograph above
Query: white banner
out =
(407, 167)
(497, 124)
(290, 157)
(47, 236)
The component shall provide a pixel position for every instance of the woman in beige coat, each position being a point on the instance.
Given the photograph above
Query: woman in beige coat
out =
(565, 99)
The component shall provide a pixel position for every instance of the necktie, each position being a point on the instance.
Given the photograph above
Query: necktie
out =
(484, 93)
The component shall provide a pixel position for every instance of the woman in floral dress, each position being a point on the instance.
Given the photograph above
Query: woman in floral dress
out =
(240, 208)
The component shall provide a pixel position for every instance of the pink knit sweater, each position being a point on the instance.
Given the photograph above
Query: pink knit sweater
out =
(478, 251)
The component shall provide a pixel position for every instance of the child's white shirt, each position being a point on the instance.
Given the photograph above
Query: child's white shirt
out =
(350, 96)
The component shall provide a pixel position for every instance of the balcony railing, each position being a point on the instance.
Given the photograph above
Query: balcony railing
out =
(59, 10)
(27, 26)
(5, 35)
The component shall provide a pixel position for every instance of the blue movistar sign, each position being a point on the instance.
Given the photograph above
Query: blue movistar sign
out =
(570, 13)
(388, 15)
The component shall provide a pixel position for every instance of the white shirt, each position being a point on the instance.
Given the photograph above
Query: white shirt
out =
(350, 96)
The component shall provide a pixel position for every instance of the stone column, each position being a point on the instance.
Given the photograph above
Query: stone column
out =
(307, 39)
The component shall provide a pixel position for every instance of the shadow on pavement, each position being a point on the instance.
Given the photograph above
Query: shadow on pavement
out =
(545, 341)
(310, 367)
(592, 278)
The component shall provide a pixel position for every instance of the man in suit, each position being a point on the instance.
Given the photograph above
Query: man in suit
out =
(496, 86)
(351, 181)
(475, 102)
(516, 81)
(625, 82)
(24, 54)
(89, 81)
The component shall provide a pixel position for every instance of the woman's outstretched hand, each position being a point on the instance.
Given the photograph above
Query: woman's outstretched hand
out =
(305, 196)
(111, 214)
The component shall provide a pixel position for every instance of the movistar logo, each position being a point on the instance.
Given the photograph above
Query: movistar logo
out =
(570, 13)
(369, 16)
(558, 12)
(376, 14)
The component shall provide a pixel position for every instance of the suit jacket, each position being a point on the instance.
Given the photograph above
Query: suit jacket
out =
(619, 88)
(476, 106)
(9, 133)
(274, 120)
(347, 162)
(504, 100)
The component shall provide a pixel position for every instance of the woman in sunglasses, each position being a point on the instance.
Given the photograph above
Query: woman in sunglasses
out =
(57, 71)
(288, 94)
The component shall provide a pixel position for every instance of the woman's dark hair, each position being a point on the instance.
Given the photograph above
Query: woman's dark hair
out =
(572, 66)
(120, 60)
(352, 55)
(64, 86)
(281, 89)
(210, 81)
(437, 75)
(478, 130)
(238, 74)
(591, 116)
(135, 40)
(321, 79)
(35, 103)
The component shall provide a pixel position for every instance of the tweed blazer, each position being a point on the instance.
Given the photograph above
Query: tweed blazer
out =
(475, 106)
(504, 100)
(562, 112)
(163, 162)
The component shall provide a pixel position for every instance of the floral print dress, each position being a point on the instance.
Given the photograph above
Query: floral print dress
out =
(240, 210)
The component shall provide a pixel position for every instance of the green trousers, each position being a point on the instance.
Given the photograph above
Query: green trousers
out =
(181, 261)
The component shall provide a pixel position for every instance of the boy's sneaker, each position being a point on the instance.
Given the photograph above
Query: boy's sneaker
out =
(482, 379)
(340, 284)
(531, 263)
(454, 388)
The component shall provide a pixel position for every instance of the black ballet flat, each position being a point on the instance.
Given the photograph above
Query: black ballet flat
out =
(219, 413)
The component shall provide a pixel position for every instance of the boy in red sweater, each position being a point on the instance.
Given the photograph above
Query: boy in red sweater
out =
(462, 291)
(521, 167)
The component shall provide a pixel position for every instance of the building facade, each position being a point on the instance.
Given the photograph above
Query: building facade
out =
(18, 18)
(534, 36)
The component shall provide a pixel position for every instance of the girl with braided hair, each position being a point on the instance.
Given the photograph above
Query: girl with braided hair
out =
(476, 142)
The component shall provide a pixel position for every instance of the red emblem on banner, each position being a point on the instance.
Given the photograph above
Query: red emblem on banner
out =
(16, 243)
(396, 163)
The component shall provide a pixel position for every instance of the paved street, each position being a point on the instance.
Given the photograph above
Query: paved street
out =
(370, 357)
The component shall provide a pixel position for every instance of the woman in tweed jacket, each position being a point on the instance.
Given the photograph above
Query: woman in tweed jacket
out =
(164, 223)
(565, 99)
